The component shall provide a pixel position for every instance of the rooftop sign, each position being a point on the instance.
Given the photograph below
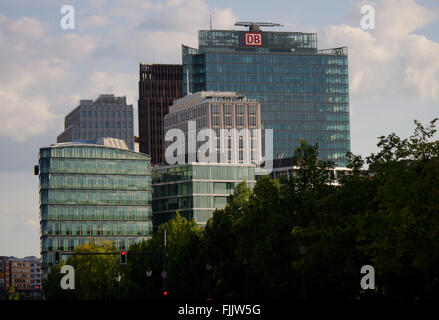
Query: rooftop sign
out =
(253, 39)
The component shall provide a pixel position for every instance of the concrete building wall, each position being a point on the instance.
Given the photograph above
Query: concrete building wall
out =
(107, 116)
(220, 110)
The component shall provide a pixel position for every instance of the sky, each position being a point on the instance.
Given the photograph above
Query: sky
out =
(45, 70)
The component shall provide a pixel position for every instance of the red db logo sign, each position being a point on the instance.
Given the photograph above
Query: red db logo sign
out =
(253, 39)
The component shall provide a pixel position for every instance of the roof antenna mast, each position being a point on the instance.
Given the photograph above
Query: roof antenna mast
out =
(255, 26)
(210, 20)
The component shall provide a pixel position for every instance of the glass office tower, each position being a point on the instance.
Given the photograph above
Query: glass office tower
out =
(92, 192)
(196, 189)
(303, 91)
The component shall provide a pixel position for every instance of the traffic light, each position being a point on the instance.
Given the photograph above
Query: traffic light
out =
(57, 258)
(123, 257)
(37, 287)
(165, 293)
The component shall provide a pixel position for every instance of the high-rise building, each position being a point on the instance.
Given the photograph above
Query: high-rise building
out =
(159, 86)
(220, 111)
(303, 91)
(196, 189)
(22, 273)
(107, 116)
(92, 192)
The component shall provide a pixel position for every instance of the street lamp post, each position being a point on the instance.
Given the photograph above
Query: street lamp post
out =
(118, 278)
(148, 277)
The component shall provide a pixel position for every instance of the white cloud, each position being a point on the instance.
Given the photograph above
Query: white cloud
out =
(392, 59)
(45, 72)
(393, 70)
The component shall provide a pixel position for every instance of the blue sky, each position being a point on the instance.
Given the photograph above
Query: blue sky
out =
(393, 71)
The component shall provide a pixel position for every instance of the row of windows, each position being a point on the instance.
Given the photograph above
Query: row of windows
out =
(296, 86)
(181, 173)
(300, 117)
(200, 111)
(107, 114)
(286, 146)
(291, 99)
(249, 88)
(311, 135)
(215, 202)
(264, 72)
(172, 204)
(172, 189)
(141, 229)
(91, 152)
(307, 126)
(216, 187)
(338, 156)
(290, 59)
(203, 172)
(124, 213)
(124, 167)
(106, 124)
(95, 182)
(128, 137)
(95, 197)
(202, 122)
(196, 187)
(306, 108)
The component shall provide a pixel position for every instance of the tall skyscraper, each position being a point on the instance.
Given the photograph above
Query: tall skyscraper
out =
(159, 86)
(220, 111)
(107, 116)
(92, 192)
(303, 91)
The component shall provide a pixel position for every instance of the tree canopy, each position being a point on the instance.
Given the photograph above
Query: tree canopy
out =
(303, 238)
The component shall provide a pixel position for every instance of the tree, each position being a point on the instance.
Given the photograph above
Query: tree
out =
(11, 294)
(52, 287)
(95, 275)
(184, 267)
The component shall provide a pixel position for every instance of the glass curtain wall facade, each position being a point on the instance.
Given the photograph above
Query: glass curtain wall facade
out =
(196, 189)
(303, 91)
(92, 192)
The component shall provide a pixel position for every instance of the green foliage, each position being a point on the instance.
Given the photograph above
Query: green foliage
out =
(11, 294)
(182, 247)
(95, 275)
(299, 239)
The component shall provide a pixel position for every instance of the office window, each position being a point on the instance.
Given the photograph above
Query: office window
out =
(215, 109)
